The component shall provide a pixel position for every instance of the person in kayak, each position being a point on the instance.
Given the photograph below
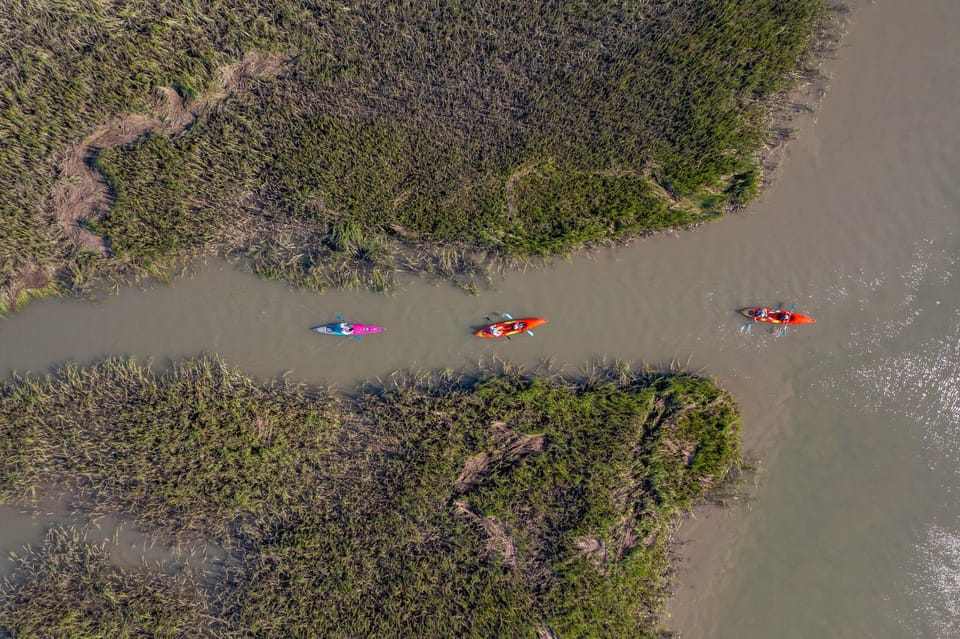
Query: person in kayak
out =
(346, 329)
(496, 331)
(761, 314)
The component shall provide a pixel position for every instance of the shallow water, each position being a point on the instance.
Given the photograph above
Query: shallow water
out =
(852, 530)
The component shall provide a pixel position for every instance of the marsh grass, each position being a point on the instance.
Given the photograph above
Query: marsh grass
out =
(68, 588)
(194, 450)
(515, 131)
(432, 506)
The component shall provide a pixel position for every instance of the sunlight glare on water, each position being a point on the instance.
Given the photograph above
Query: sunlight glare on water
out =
(936, 582)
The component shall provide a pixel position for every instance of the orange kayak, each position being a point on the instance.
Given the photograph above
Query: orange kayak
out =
(775, 316)
(511, 327)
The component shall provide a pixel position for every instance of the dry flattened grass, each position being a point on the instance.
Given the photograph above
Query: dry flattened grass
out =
(511, 446)
(81, 194)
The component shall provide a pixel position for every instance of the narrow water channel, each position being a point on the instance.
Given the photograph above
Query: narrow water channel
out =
(854, 527)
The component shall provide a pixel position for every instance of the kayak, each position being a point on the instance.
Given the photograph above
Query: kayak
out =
(775, 316)
(511, 327)
(347, 329)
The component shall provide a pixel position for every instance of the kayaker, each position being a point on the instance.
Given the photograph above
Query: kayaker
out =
(496, 331)
(761, 315)
(346, 329)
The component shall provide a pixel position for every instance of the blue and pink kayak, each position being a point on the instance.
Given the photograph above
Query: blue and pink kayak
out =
(347, 329)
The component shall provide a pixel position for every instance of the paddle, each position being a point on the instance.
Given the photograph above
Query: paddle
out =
(510, 317)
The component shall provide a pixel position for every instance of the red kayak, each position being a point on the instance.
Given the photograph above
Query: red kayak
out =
(775, 316)
(511, 327)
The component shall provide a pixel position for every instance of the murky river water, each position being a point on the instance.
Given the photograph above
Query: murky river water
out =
(854, 528)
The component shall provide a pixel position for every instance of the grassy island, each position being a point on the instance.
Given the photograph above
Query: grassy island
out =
(506, 506)
(336, 143)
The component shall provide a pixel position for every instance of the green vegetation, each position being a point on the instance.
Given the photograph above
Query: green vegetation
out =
(105, 601)
(411, 136)
(508, 506)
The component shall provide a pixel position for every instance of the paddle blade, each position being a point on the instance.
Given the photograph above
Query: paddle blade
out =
(508, 316)
(339, 317)
(358, 337)
(530, 333)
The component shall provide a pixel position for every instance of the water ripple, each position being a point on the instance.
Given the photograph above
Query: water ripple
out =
(923, 383)
(937, 583)
(923, 386)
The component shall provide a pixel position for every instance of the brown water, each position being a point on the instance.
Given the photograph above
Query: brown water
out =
(854, 529)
